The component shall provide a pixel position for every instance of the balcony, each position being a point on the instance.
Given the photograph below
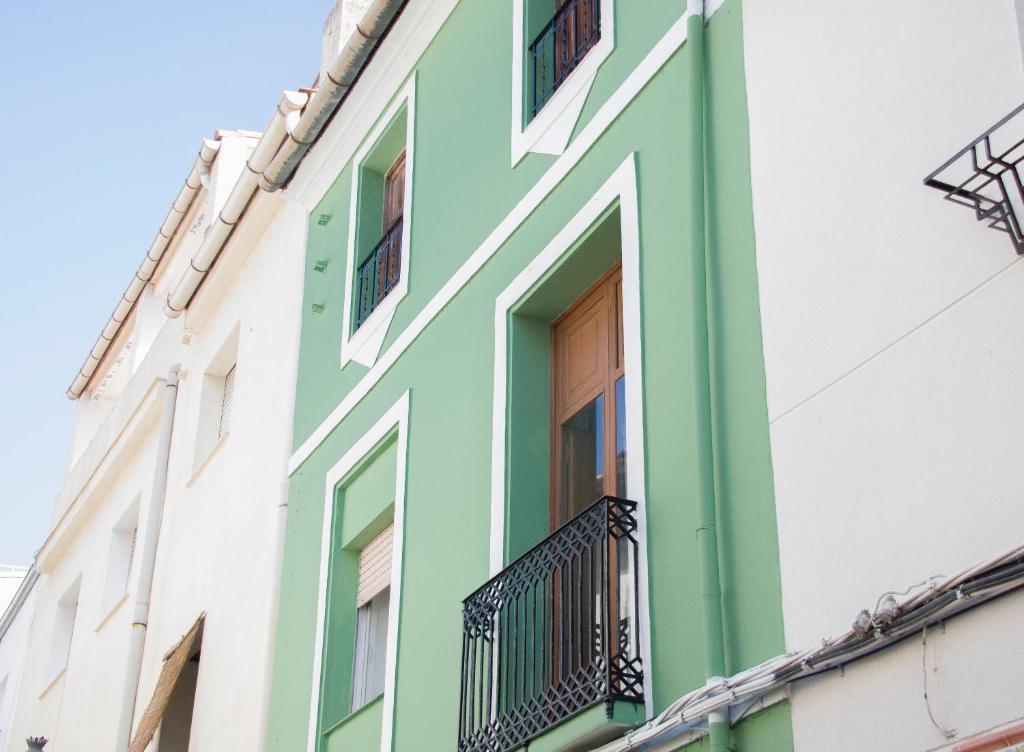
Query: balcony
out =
(986, 176)
(554, 634)
(379, 273)
(560, 46)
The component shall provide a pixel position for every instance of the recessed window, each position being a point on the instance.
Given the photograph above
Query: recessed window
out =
(372, 611)
(217, 401)
(380, 271)
(64, 629)
(121, 558)
(573, 28)
(557, 49)
(380, 217)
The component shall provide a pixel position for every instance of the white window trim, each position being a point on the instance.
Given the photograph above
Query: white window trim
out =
(364, 344)
(550, 130)
(621, 187)
(397, 417)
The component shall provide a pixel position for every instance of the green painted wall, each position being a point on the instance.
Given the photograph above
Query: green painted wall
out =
(463, 187)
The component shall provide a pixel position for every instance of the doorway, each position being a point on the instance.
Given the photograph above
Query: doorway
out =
(588, 401)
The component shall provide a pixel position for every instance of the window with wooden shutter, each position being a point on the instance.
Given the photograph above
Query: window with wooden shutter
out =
(226, 401)
(373, 598)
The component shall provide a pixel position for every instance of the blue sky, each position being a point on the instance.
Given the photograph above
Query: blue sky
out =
(102, 108)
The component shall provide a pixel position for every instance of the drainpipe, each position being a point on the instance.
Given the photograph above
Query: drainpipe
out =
(147, 563)
(707, 532)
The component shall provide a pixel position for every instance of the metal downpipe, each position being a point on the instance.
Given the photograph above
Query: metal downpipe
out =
(707, 531)
(147, 563)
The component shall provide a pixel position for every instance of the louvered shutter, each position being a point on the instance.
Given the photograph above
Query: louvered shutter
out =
(131, 558)
(226, 401)
(375, 567)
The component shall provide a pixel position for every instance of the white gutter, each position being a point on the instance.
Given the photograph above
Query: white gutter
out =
(198, 175)
(293, 130)
(285, 118)
(147, 565)
(340, 77)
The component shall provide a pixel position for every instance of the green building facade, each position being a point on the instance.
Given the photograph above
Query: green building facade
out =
(453, 235)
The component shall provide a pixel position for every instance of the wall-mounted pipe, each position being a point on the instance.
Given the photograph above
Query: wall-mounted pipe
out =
(285, 117)
(147, 564)
(340, 77)
(707, 531)
(182, 204)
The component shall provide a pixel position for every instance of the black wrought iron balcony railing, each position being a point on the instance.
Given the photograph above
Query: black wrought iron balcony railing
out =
(553, 634)
(986, 176)
(379, 273)
(560, 46)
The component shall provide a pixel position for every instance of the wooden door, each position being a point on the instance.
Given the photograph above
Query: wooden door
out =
(588, 437)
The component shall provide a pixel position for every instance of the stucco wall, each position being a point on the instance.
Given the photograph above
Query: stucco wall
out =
(13, 644)
(887, 317)
(216, 551)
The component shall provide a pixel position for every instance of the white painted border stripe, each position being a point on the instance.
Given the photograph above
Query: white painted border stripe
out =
(396, 417)
(610, 110)
(621, 186)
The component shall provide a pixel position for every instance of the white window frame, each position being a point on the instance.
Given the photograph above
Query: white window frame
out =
(120, 559)
(65, 621)
(396, 419)
(210, 432)
(363, 345)
(551, 129)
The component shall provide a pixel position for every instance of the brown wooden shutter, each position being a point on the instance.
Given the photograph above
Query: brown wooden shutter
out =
(375, 566)
(394, 191)
(174, 662)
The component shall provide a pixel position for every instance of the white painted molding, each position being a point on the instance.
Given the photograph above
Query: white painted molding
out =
(395, 419)
(393, 63)
(550, 130)
(605, 116)
(621, 187)
(363, 345)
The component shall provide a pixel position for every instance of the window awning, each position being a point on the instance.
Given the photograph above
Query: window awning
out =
(174, 662)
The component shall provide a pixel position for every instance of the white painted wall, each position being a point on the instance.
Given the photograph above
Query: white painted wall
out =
(13, 643)
(10, 580)
(889, 318)
(217, 541)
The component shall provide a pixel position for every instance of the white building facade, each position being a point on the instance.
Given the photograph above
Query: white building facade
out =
(179, 536)
(18, 599)
(892, 352)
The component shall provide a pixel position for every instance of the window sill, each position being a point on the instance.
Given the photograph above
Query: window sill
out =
(214, 451)
(364, 344)
(114, 608)
(53, 682)
(588, 729)
(354, 714)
